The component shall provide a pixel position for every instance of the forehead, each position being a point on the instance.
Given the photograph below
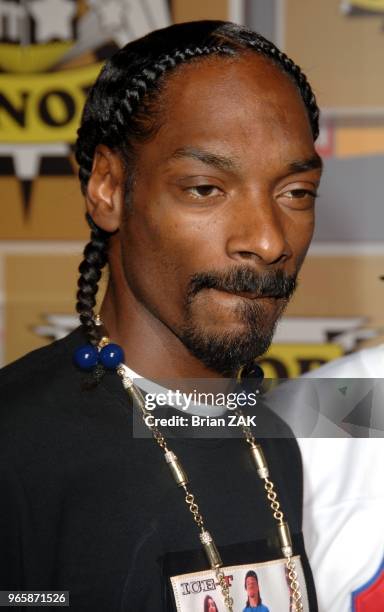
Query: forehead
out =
(242, 103)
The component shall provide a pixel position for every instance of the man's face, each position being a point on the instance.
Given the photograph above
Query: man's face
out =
(222, 207)
(252, 587)
(211, 606)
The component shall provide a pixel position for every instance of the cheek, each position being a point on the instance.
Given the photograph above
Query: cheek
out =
(170, 240)
(299, 228)
(162, 248)
(307, 236)
(150, 257)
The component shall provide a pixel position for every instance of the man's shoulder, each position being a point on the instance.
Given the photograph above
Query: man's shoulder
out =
(39, 377)
(43, 360)
(27, 366)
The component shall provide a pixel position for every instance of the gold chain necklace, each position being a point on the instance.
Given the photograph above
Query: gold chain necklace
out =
(206, 539)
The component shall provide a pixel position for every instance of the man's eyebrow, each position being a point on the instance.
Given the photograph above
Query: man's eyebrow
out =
(304, 165)
(212, 159)
(226, 163)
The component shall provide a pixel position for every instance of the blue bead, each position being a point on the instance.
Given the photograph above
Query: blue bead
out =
(86, 357)
(111, 356)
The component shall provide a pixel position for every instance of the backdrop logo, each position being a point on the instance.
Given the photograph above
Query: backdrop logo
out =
(301, 344)
(39, 102)
(363, 7)
(50, 54)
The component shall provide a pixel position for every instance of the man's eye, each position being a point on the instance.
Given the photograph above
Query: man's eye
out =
(203, 191)
(300, 193)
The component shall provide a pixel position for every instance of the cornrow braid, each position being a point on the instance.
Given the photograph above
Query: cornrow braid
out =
(118, 122)
(269, 50)
(123, 108)
(95, 258)
(248, 39)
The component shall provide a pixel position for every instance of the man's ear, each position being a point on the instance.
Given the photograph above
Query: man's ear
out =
(105, 189)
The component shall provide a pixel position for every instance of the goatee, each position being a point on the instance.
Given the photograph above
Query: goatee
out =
(225, 353)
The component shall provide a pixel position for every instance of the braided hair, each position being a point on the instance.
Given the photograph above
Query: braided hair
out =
(123, 108)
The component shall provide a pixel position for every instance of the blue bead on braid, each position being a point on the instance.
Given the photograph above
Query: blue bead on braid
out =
(105, 356)
(86, 357)
(111, 356)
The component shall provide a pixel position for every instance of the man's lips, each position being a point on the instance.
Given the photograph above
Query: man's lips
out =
(253, 296)
(249, 295)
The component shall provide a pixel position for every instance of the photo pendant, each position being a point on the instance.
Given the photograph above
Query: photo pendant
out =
(261, 587)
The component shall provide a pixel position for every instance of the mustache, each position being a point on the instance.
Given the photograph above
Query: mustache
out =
(276, 284)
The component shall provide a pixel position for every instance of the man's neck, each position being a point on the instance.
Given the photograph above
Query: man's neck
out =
(151, 349)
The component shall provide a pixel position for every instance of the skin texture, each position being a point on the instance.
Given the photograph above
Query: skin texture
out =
(236, 125)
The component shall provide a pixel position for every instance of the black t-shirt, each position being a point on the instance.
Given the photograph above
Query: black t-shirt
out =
(87, 507)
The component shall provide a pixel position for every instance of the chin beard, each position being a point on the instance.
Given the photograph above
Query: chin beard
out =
(227, 352)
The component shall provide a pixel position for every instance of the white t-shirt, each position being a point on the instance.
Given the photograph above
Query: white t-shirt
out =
(344, 503)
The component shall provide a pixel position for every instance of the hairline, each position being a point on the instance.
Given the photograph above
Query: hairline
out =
(159, 97)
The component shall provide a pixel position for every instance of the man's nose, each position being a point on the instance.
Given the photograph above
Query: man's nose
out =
(257, 231)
